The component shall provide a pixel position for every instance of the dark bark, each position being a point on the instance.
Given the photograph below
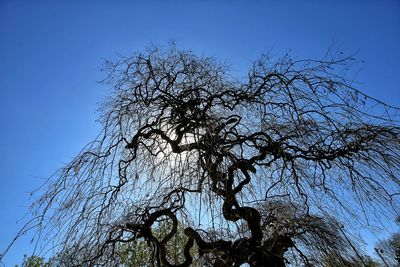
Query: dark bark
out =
(185, 142)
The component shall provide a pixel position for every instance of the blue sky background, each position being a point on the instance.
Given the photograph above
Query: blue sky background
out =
(51, 53)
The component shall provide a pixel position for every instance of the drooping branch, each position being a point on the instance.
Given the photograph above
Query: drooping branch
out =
(186, 143)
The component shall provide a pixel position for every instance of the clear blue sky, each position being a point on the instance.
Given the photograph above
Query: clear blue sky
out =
(51, 52)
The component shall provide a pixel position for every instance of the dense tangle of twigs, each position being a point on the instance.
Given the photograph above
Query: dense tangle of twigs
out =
(255, 169)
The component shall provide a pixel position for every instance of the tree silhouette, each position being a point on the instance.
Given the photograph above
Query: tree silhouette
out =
(184, 141)
(388, 250)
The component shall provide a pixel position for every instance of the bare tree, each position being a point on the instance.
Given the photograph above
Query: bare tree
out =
(388, 250)
(184, 141)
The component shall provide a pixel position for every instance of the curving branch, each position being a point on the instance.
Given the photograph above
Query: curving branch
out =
(185, 142)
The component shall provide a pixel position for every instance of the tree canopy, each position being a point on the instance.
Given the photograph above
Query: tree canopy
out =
(388, 250)
(262, 170)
